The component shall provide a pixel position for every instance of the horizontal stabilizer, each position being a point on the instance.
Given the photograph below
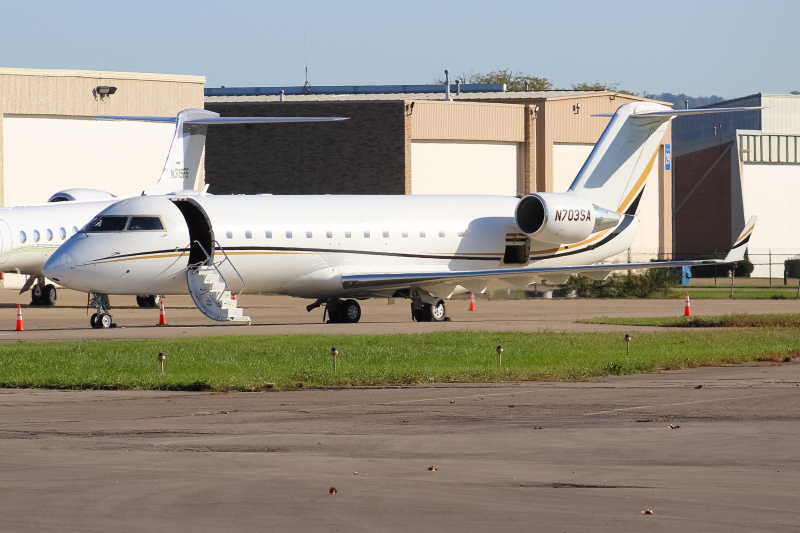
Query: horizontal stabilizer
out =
(225, 120)
(679, 112)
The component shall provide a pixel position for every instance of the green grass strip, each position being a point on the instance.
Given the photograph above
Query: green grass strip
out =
(785, 320)
(296, 361)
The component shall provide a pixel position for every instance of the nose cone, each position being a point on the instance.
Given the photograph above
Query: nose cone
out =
(60, 267)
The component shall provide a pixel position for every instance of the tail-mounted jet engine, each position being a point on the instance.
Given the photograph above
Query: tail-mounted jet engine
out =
(561, 218)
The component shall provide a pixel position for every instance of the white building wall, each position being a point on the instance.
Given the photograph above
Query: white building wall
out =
(567, 162)
(782, 113)
(464, 167)
(43, 155)
(771, 191)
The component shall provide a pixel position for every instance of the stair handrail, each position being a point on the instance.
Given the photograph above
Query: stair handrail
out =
(216, 267)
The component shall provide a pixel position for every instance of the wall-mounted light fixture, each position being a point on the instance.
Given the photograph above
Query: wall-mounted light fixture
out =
(576, 108)
(104, 90)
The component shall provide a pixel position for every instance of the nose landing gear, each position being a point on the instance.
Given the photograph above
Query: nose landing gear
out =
(102, 319)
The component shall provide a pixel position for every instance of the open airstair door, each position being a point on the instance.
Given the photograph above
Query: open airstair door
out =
(207, 285)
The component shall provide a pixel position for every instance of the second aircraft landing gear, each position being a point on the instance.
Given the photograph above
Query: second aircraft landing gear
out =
(102, 318)
(42, 294)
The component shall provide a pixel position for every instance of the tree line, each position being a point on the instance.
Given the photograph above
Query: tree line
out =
(521, 81)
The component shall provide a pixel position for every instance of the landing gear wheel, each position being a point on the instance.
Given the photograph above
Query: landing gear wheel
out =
(49, 295)
(434, 312)
(93, 322)
(350, 311)
(148, 301)
(104, 320)
(418, 314)
(438, 311)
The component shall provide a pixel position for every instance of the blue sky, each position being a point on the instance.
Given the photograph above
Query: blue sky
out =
(729, 48)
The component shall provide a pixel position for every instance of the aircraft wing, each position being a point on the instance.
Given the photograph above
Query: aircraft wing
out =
(525, 275)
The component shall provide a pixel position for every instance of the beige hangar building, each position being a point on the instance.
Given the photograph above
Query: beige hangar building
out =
(412, 140)
(49, 141)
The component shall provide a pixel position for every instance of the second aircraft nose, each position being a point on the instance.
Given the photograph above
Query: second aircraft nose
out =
(60, 267)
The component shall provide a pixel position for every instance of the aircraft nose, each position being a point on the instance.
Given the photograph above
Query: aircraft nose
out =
(60, 267)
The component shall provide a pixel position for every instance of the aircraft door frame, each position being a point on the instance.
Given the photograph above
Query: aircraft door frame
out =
(200, 229)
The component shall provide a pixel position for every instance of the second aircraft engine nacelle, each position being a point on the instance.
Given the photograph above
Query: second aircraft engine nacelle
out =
(561, 218)
(80, 195)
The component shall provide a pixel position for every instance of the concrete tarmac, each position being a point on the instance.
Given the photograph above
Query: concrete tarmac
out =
(69, 319)
(508, 457)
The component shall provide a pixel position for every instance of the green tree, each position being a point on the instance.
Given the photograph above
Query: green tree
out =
(515, 81)
(598, 86)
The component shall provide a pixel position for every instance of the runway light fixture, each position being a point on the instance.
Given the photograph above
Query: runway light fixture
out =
(500, 354)
(628, 342)
(162, 358)
(334, 353)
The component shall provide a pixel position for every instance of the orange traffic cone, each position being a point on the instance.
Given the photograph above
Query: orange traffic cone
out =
(687, 310)
(162, 317)
(19, 317)
(472, 301)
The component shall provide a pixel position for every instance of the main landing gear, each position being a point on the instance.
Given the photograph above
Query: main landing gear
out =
(43, 294)
(435, 312)
(102, 318)
(154, 300)
(338, 311)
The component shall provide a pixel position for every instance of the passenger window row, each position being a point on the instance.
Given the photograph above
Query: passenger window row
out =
(329, 234)
(48, 235)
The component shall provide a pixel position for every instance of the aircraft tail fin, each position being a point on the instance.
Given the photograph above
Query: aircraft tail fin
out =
(740, 246)
(615, 173)
(185, 157)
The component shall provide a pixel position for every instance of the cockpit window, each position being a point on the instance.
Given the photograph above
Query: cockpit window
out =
(145, 224)
(106, 223)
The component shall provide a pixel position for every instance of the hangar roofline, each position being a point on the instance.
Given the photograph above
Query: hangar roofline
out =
(100, 74)
(511, 96)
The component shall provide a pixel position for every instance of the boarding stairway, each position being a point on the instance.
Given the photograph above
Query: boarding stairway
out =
(210, 290)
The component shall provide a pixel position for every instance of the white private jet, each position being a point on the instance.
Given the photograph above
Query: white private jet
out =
(30, 234)
(339, 249)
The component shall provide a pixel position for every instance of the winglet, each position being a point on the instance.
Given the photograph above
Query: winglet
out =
(740, 246)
